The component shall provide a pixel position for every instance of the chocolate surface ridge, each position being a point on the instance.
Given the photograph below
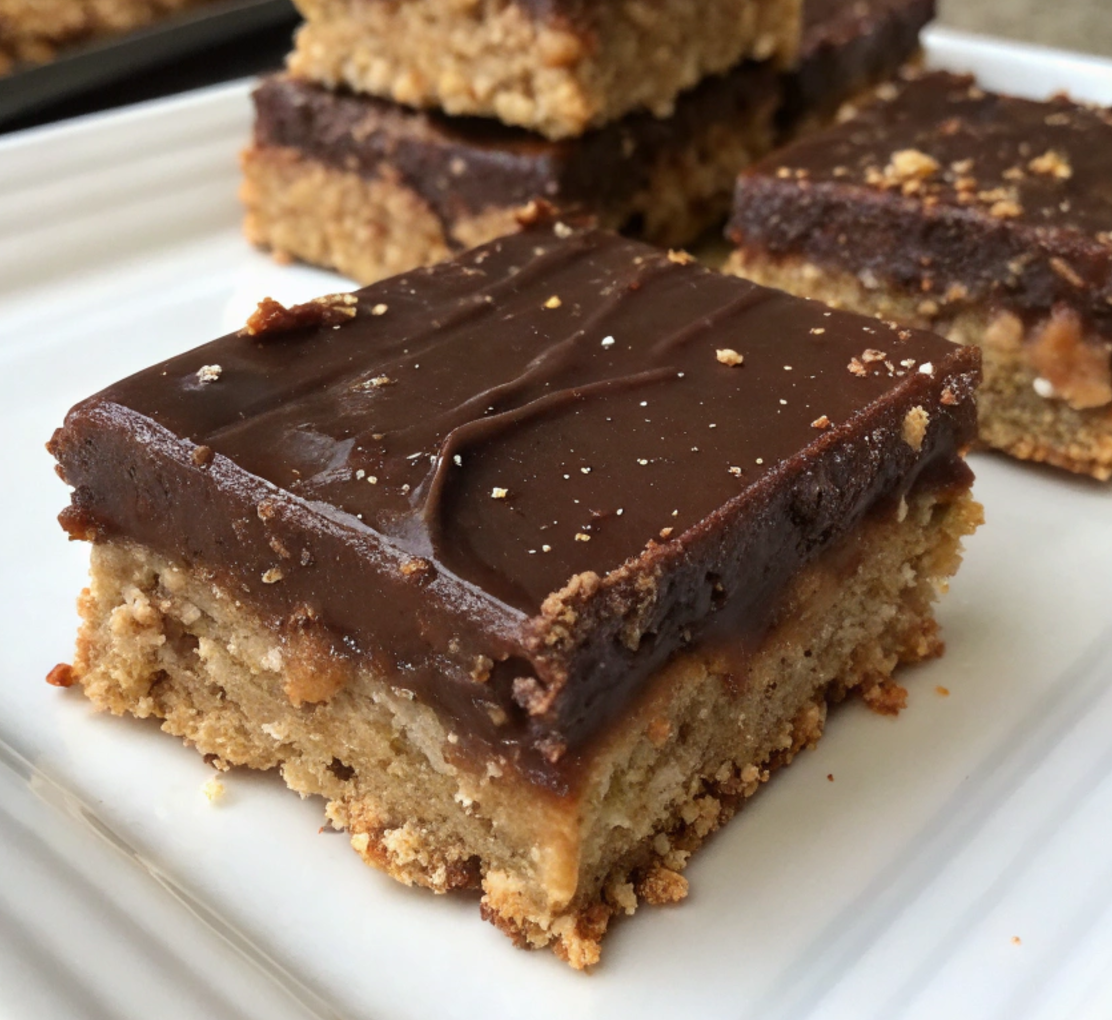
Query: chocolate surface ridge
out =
(952, 192)
(465, 165)
(521, 481)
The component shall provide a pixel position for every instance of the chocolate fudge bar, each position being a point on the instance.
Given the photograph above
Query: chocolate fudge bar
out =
(848, 46)
(370, 188)
(34, 31)
(984, 217)
(558, 67)
(534, 564)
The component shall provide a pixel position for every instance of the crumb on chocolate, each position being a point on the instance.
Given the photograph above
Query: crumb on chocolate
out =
(201, 455)
(908, 165)
(380, 309)
(582, 537)
(1052, 164)
(1063, 269)
(499, 493)
(856, 367)
(480, 668)
(1006, 209)
(915, 427)
(273, 317)
(948, 397)
(273, 575)
(62, 675)
(553, 302)
(821, 423)
(870, 355)
(680, 258)
(209, 373)
(727, 356)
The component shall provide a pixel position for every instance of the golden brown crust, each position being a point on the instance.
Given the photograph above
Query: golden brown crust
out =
(159, 640)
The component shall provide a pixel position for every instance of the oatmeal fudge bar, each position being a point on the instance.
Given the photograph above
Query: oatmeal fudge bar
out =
(534, 564)
(984, 217)
(848, 47)
(33, 31)
(558, 67)
(370, 188)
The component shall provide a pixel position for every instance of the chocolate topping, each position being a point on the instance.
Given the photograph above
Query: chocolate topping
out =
(947, 189)
(519, 481)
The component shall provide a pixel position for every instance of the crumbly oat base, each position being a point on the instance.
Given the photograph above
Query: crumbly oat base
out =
(159, 640)
(33, 31)
(1047, 391)
(370, 229)
(492, 58)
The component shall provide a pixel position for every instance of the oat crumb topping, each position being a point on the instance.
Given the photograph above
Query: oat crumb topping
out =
(209, 373)
(499, 493)
(553, 302)
(821, 423)
(727, 356)
(1051, 164)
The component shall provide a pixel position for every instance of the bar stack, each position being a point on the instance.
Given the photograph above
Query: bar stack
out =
(407, 130)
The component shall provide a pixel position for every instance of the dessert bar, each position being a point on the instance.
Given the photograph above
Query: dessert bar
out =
(534, 564)
(981, 216)
(371, 188)
(558, 67)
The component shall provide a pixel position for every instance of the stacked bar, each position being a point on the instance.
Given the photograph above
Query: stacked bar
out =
(343, 174)
(983, 217)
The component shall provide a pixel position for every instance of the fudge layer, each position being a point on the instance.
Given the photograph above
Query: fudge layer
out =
(981, 216)
(33, 31)
(535, 564)
(558, 67)
(371, 188)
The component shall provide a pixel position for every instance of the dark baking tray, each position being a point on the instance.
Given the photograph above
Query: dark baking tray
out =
(91, 66)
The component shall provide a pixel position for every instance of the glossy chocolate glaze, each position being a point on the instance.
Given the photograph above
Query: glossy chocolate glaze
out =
(846, 46)
(545, 414)
(1017, 213)
(463, 166)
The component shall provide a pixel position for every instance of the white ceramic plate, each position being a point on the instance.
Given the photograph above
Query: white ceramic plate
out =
(898, 889)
